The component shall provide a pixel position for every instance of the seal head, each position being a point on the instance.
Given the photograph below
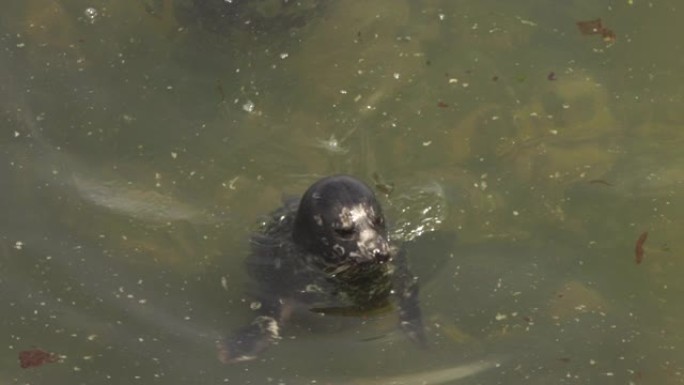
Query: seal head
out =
(340, 221)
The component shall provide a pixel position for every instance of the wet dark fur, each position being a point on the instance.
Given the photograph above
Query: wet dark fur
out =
(329, 252)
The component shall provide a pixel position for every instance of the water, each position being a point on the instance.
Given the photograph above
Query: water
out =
(142, 141)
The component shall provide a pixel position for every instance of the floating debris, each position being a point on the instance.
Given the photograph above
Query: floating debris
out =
(595, 27)
(600, 181)
(220, 90)
(381, 185)
(36, 357)
(639, 248)
(332, 145)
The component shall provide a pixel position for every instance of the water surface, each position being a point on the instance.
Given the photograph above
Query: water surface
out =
(141, 142)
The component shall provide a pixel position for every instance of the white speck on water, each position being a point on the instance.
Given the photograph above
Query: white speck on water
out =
(90, 14)
(425, 144)
(526, 22)
(343, 92)
(284, 55)
(515, 213)
(231, 183)
(248, 106)
(224, 283)
(453, 81)
(18, 245)
(16, 134)
(500, 317)
(333, 145)
(21, 45)
(174, 155)
(396, 75)
(441, 16)
(256, 305)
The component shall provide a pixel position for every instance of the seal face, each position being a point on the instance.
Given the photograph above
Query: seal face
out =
(340, 221)
(330, 252)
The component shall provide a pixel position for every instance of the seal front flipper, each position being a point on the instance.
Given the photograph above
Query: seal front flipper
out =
(410, 318)
(406, 290)
(249, 341)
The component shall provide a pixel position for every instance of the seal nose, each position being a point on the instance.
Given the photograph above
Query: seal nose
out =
(381, 251)
(380, 256)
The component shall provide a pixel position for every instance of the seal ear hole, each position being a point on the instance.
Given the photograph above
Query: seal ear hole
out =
(345, 232)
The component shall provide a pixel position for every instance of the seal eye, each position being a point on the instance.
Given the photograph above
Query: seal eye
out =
(345, 232)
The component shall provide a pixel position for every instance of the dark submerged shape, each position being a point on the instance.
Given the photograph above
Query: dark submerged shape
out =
(328, 252)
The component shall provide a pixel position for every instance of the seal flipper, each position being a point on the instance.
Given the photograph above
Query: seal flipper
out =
(249, 341)
(406, 291)
(410, 317)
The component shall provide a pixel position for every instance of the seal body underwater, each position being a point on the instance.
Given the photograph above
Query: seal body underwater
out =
(327, 252)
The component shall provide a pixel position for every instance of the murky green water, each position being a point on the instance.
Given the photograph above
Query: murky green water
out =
(142, 140)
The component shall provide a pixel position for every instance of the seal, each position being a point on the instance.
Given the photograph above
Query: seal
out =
(327, 253)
